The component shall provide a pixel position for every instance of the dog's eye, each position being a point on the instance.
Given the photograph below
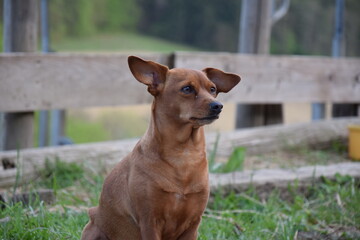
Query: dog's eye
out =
(187, 89)
(213, 90)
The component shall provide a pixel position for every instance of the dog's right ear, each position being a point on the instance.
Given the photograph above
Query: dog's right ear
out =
(149, 73)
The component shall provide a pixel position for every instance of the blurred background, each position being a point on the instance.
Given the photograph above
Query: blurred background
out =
(206, 25)
(178, 25)
(287, 203)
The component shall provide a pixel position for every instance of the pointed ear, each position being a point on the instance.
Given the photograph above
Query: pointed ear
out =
(224, 81)
(149, 73)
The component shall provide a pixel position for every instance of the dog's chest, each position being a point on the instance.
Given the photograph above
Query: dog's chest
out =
(185, 200)
(182, 186)
(177, 201)
(180, 211)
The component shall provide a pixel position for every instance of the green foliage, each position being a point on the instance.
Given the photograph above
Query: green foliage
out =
(307, 28)
(123, 124)
(123, 41)
(212, 156)
(70, 18)
(299, 31)
(1, 37)
(39, 223)
(63, 221)
(339, 147)
(60, 174)
(204, 24)
(81, 131)
(329, 207)
(82, 25)
(79, 18)
(121, 15)
(234, 163)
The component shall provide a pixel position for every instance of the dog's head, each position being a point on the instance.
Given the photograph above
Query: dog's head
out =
(186, 95)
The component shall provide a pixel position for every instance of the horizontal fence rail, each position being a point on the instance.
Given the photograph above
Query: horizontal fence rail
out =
(276, 79)
(63, 81)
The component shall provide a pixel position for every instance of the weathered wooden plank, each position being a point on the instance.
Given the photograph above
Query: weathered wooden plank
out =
(260, 140)
(256, 141)
(37, 81)
(65, 81)
(265, 180)
(30, 161)
(275, 79)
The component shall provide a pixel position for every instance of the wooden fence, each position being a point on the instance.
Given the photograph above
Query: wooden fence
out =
(59, 81)
(31, 82)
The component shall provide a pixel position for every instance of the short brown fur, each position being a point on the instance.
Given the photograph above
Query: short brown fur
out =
(160, 190)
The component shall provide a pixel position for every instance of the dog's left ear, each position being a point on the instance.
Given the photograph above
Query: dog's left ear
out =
(224, 81)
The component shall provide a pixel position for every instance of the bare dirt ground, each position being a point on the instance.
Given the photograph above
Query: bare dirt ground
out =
(294, 159)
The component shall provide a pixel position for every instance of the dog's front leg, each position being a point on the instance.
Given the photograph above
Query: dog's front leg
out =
(192, 232)
(149, 231)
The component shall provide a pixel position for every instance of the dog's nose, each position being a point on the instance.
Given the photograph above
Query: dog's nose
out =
(216, 107)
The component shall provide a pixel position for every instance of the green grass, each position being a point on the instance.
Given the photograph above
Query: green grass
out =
(59, 174)
(331, 205)
(40, 223)
(234, 163)
(125, 42)
(107, 126)
(79, 130)
(328, 206)
(82, 131)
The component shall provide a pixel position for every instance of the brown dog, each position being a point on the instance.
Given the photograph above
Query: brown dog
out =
(160, 190)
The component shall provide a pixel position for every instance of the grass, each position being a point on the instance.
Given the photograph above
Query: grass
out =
(327, 207)
(40, 223)
(80, 130)
(123, 41)
(234, 163)
(103, 124)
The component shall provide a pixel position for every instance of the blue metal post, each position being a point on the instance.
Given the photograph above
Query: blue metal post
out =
(339, 29)
(55, 127)
(56, 115)
(44, 26)
(338, 50)
(318, 109)
(44, 115)
(43, 128)
(7, 26)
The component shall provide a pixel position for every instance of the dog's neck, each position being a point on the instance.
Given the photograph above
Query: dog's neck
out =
(166, 135)
(176, 154)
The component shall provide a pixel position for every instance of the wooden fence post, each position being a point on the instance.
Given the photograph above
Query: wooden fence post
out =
(255, 33)
(19, 127)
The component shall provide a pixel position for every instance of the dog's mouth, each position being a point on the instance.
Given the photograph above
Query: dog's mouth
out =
(205, 119)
